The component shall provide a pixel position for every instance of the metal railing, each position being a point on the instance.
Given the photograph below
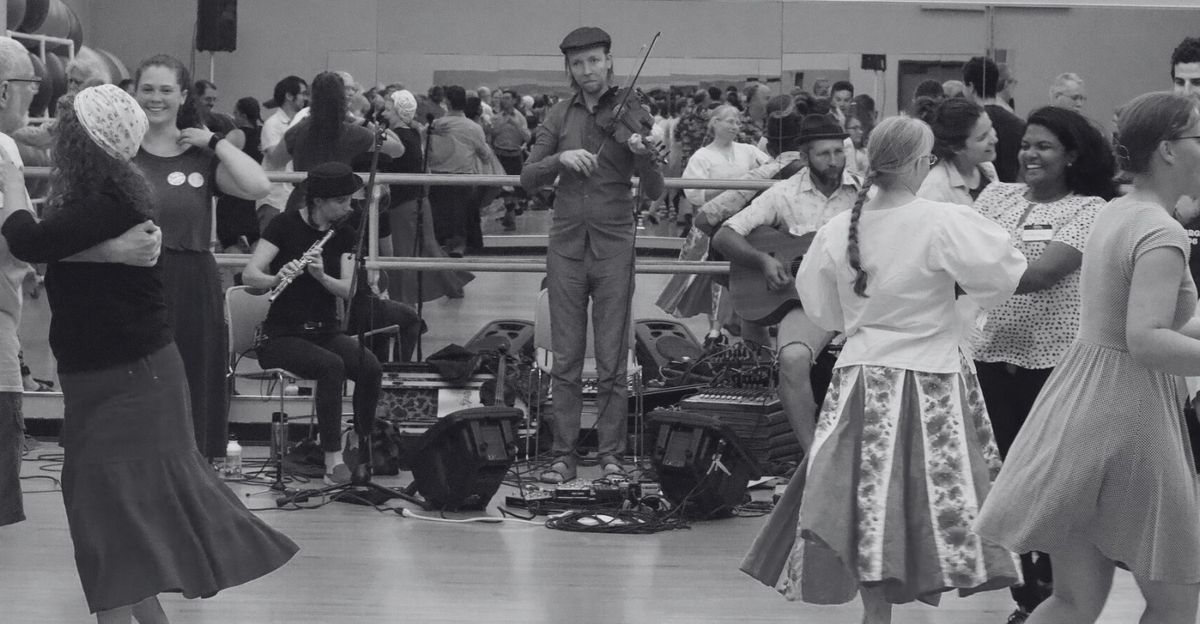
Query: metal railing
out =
(494, 265)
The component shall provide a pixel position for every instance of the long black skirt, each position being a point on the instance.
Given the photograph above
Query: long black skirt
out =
(146, 512)
(194, 309)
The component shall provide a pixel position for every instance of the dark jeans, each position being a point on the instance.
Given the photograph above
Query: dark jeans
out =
(329, 359)
(384, 313)
(1009, 392)
(512, 166)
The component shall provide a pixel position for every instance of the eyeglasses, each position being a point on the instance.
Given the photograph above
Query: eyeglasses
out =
(1194, 136)
(34, 83)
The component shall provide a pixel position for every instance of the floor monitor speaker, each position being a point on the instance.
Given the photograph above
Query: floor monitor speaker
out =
(700, 462)
(514, 334)
(662, 341)
(461, 460)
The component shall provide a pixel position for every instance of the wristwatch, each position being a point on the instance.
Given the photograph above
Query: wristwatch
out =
(217, 137)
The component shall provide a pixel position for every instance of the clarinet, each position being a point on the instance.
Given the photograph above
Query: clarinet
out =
(305, 260)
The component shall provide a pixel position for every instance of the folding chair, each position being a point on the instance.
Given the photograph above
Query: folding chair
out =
(245, 311)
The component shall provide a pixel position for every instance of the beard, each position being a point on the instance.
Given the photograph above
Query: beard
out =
(827, 176)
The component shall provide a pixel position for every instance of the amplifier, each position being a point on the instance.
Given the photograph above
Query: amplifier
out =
(417, 395)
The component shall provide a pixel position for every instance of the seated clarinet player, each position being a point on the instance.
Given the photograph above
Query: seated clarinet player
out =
(305, 258)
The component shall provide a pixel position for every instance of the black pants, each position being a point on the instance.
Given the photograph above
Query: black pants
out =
(1009, 392)
(369, 313)
(330, 359)
(456, 216)
(512, 166)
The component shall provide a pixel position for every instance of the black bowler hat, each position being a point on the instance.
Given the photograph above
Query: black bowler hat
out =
(782, 131)
(331, 179)
(583, 38)
(820, 127)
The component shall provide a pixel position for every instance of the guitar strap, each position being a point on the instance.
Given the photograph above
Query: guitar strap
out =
(788, 170)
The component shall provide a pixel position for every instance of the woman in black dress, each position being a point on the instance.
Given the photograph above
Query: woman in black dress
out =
(146, 512)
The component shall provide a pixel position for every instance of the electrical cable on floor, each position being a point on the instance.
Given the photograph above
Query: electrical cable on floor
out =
(57, 484)
(407, 513)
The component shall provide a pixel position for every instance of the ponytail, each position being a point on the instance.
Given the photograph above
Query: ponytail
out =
(852, 250)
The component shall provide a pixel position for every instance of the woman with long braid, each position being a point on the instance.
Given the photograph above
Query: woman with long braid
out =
(903, 445)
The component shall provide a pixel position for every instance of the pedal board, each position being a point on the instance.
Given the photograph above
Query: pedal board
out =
(580, 493)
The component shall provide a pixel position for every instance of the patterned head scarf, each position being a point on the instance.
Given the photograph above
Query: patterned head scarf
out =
(112, 118)
(406, 105)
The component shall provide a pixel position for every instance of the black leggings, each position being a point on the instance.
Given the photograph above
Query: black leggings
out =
(330, 359)
(1009, 392)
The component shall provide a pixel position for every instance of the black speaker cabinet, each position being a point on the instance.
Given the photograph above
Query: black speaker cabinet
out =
(516, 335)
(662, 341)
(700, 463)
(460, 461)
(216, 25)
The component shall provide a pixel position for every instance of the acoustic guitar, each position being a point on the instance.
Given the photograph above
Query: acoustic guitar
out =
(752, 298)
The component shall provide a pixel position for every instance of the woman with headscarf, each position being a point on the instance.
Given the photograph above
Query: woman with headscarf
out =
(399, 113)
(146, 512)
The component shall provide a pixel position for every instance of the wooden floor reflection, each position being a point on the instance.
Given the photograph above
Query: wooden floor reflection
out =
(358, 565)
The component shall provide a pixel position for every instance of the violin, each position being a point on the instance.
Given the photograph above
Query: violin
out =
(628, 117)
(631, 116)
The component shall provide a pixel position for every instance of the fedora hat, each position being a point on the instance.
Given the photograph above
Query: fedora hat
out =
(331, 179)
(820, 127)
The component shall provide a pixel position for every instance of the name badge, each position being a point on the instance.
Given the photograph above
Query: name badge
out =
(1037, 233)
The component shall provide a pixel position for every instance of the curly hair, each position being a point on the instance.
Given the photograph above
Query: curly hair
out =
(1188, 51)
(82, 169)
(1094, 167)
(328, 108)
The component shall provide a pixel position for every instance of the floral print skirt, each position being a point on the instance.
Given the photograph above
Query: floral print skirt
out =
(900, 465)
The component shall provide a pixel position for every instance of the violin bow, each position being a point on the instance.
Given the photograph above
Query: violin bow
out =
(628, 88)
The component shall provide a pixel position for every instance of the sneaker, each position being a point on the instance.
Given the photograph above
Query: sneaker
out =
(1017, 617)
(339, 475)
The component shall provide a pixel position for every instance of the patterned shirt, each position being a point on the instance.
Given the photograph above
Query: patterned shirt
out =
(1033, 330)
(692, 133)
(797, 205)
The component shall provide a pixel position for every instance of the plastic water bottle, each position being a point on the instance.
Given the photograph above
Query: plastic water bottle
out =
(278, 433)
(233, 458)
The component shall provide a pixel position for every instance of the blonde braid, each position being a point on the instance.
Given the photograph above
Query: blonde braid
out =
(852, 250)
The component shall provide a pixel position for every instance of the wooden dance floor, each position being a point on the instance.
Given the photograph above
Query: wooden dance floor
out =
(358, 565)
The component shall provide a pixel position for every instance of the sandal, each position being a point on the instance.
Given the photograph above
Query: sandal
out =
(610, 467)
(558, 472)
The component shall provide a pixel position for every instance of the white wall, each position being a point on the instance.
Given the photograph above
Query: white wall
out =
(1121, 52)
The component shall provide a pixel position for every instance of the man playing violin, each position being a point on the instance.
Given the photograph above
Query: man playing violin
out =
(593, 143)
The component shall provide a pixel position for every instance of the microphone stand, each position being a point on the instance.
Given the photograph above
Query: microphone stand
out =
(360, 489)
(419, 234)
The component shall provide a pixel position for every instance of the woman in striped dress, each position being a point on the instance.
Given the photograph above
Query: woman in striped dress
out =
(1101, 473)
(903, 453)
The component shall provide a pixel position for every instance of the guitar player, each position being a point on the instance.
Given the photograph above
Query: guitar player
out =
(799, 205)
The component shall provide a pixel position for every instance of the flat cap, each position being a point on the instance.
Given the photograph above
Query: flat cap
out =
(585, 37)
